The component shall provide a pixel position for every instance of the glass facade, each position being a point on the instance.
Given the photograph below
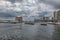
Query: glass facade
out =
(57, 15)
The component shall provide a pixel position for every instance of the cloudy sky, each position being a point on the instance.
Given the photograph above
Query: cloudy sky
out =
(12, 8)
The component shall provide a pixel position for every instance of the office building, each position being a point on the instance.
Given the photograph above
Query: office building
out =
(57, 15)
(45, 18)
(18, 19)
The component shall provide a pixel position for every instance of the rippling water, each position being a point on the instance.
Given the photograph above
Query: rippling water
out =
(29, 32)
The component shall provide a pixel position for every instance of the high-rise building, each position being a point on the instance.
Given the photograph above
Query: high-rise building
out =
(57, 15)
(45, 18)
(18, 19)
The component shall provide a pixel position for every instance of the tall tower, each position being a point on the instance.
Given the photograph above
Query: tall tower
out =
(57, 15)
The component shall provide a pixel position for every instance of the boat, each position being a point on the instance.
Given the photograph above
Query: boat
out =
(54, 23)
(44, 24)
(57, 23)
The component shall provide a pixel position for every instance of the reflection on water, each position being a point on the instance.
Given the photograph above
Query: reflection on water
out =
(56, 35)
(10, 31)
(37, 32)
(29, 32)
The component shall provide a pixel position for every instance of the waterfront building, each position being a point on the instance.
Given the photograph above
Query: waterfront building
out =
(18, 19)
(57, 15)
(45, 18)
(52, 18)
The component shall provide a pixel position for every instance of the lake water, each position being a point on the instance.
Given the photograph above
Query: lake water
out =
(29, 32)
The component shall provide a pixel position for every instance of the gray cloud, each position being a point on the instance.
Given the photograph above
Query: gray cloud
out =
(55, 3)
(13, 1)
(20, 7)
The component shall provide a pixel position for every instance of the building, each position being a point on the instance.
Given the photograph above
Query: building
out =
(18, 19)
(45, 18)
(57, 15)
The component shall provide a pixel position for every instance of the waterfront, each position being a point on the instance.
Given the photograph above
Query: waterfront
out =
(29, 32)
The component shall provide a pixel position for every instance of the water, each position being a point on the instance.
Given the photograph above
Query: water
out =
(29, 32)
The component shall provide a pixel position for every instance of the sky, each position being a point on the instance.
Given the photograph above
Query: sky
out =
(34, 8)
